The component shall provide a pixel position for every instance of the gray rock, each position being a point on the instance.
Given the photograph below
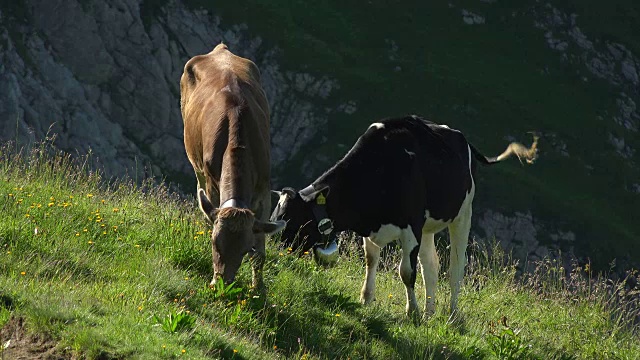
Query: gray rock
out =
(107, 81)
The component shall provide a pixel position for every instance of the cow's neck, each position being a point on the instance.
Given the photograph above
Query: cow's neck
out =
(236, 182)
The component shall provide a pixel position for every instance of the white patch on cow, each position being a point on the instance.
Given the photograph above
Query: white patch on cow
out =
(430, 266)
(469, 149)
(372, 245)
(377, 125)
(445, 126)
(282, 199)
(385, 234)
(459, 236)
(372, 258)
(411, 153)
(432, 225)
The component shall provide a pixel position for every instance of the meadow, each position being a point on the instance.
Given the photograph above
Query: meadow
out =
(95, 268)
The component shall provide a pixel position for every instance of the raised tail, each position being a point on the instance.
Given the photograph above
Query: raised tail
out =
(529, 154)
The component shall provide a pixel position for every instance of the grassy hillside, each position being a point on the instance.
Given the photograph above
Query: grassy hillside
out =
(490, 81)
(121, 272)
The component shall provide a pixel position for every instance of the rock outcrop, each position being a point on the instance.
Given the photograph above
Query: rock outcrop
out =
(104, 77)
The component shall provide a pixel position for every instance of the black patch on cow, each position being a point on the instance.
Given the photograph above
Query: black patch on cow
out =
(413, 257)
(392, 175)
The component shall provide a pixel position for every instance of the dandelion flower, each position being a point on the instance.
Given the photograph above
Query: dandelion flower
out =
(50, 204)
(23, 273)
(89, 242)
(184, 351)
(115, 210)
(337, 315)
(235, 351)
(275, 347)
(89, 195)
(140, 308)
(77, 234)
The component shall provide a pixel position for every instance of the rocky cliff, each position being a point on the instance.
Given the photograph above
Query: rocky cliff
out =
(104, 77)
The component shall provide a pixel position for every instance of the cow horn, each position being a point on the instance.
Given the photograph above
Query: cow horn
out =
(289, 191)
(279, 193)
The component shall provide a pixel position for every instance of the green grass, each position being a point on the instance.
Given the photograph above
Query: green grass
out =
(121, 271)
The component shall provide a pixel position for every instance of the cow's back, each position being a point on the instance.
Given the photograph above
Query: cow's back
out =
(406, 163)
(226, 115)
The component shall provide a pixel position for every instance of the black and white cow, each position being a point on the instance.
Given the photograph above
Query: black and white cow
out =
(405, 178)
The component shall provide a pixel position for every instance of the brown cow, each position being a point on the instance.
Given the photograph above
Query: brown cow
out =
(226, 136)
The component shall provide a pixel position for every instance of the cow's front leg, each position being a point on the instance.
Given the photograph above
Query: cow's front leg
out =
(372, 258)
(408, 267)
(258, 256)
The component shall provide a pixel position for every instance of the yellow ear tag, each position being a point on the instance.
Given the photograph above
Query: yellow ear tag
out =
(321, 200)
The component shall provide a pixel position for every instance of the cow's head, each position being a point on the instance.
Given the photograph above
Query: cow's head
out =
(233, 236)
(301, 232)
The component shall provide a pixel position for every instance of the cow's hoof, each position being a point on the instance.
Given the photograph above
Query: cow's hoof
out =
(367, 298)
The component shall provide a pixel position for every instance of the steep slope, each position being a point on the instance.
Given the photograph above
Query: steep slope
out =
(104, 75)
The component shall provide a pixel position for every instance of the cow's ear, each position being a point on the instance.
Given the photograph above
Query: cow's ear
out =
(206, 206)
(268, 227)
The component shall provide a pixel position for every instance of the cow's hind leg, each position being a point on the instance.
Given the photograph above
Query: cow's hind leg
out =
(430, 267)
(408, 267)
(459, 235)
(372, 258)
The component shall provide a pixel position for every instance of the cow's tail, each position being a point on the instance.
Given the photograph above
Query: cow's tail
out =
(529, 154)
